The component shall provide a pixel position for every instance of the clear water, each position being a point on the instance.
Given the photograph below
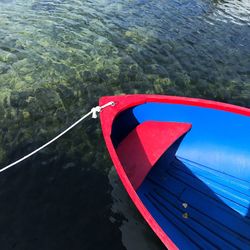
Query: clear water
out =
(56, 59)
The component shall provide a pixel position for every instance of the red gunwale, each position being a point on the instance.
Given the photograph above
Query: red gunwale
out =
(123, 102)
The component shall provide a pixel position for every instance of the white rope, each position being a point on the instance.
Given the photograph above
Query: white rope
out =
(93, 111)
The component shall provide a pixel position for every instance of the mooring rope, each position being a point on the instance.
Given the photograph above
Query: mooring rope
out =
(92, 112)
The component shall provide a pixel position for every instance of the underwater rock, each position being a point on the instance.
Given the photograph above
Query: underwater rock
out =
(7, 57)
(26, 114)
(46, 5)
(19, 99)
(48, 98)
(24, 68)
(4, 68)
(86, 75)
(66, 94)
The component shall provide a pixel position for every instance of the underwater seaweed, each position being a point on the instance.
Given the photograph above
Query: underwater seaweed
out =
(58, 57)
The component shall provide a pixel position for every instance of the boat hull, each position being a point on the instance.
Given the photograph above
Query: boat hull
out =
(195, 191)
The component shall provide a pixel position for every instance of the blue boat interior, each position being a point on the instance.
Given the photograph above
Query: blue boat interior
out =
(201, 198)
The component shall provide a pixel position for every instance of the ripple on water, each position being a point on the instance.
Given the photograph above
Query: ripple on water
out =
(58, 57)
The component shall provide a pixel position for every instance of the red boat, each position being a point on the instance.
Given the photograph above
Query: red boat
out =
(185, 163)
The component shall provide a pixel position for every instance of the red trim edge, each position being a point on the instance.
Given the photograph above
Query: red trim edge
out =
(123, 102)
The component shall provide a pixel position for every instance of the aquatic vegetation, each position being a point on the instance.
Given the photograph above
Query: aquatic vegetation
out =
(54, 62)
(58, 58)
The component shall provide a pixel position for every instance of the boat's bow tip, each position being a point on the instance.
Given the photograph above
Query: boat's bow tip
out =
(105, 99)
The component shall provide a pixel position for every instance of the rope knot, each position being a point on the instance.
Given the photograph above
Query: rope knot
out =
(95, 110)
(98, 109)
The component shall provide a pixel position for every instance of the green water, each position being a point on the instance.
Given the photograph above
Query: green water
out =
(56, 59)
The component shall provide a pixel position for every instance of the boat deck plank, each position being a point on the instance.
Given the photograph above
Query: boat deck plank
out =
(198, 206)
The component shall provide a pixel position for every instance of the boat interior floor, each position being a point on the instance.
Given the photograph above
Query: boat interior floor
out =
(197, 206)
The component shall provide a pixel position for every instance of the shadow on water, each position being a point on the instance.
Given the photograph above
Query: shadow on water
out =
(136, 233)
(56, 204)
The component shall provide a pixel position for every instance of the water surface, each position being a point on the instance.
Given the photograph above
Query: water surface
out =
(56, 59)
